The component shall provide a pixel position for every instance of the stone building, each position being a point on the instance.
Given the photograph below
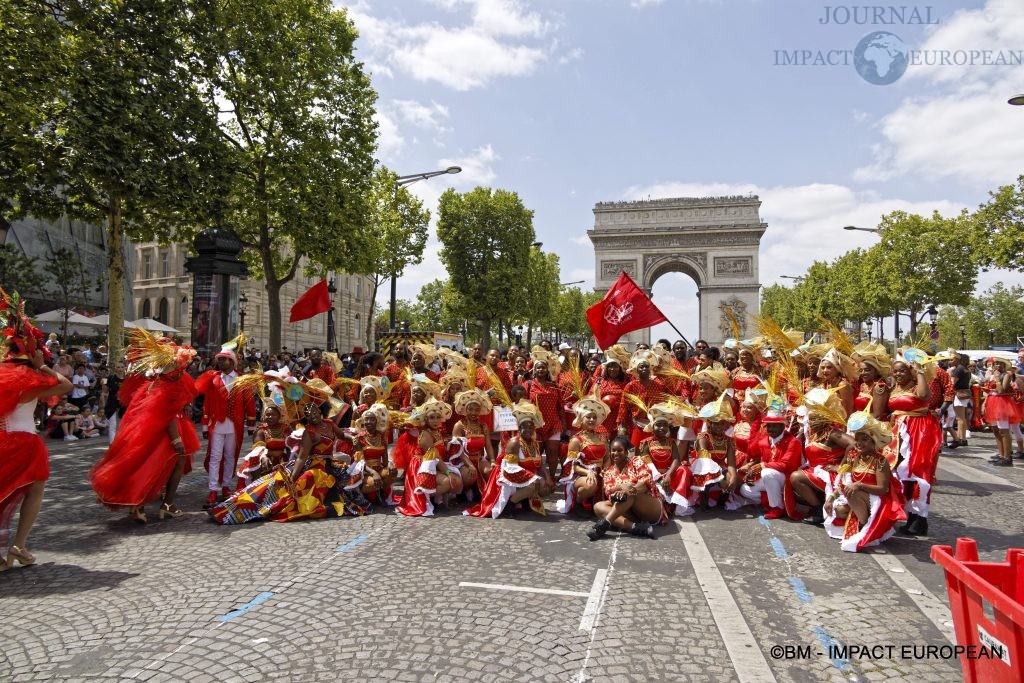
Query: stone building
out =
(163, 291)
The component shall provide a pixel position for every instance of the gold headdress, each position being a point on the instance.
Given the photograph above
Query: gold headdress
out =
(616, 353)
(378, 411)
(824, 406)
(864, 421)
(497, 387)
(642, 355)
(452, 358)
(718, 378)
(874, 355)
(540, 354)
(429, 352)
(478, 396)
(149, 354)
(840, 340)
(432, 407)
(677, 413)
(590, 405)
(429, 386)
(719, 410)
(844, 365)
(524, 410)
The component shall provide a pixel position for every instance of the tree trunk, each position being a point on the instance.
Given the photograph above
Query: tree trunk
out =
(485, 334)
(913, 321)
(274, 305)
(115, 280)
(529, 335)
(369, 319)
(501, 332)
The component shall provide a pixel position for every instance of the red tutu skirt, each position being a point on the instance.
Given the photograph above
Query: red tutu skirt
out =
(128, 475)
(1000, 408)
(23, 460)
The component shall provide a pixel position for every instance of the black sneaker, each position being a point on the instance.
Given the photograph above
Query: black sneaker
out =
(953, 445)
(599, 529)
(1019, 455)
(909, 526)
(918, 527)
(816, 516)
(1003, 463)
(644, 529)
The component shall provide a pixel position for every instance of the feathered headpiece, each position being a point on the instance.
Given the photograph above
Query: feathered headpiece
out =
(617, 353)
(233, 348)
(152, 355)
(540, 354)
(428, 352)
(719, 410)
(20, 339)
(380, 412)
(840, 340)
(590, 405)
(874, 355)
(864, 421)
(718, 378)
(464, 398)
(497, 387)
(524, 410)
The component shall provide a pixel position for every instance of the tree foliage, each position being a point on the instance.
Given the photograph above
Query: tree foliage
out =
(486, 236)
(20, 272)
(999, 308)
(400, 227)
(438, 306)
(997, 231)
(68, 281)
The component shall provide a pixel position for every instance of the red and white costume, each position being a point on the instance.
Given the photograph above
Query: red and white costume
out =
(778, 457)
(916, 441)
(225, 415)
(884, 511)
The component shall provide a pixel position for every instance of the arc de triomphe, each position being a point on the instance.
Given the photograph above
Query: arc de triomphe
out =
(714, 240)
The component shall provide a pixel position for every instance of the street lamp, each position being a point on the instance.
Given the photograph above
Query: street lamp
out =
(576, 282)
(798, 278)
(854, 227)
(519, 335)
(402, 181)
(242, 301)
(963, 337)
(868, 325)
(991, 337)
(537, 245)
(1016, 100)
(331, 338)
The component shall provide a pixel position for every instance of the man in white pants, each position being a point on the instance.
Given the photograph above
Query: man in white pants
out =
(780, 454)
(224, 414)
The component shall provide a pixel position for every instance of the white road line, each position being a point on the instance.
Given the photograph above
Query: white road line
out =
(594, 601)
(603, 581)
(973, 474)
(930, 606)
(523, 589)
(744, 652)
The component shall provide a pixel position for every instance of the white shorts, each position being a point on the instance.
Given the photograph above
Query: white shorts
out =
(1002, 424)
(961, 402)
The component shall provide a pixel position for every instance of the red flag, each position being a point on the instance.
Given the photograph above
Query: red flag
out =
(623, 309)
(315, 300)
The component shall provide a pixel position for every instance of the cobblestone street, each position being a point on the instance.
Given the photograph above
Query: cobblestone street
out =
(386, 598)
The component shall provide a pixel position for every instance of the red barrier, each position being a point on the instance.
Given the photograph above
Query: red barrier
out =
(987, 603)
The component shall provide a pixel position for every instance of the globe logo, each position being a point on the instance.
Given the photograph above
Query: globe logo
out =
(880, 58)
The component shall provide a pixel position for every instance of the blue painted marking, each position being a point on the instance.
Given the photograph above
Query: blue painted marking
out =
(258, 600)
(800, 589)
(352, 544)
(764, 522)
(826, 640)
(780, 550)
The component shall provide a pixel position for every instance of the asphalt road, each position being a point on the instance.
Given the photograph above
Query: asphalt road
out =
(724, 596)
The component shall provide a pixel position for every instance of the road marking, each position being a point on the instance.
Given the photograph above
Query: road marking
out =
(800, 588)
(258, 600)
(352, 544)
(595, 599)
(602, 580)
(828, 642)
(523, 589)
(744, 652)
(930, 606)
(975, 475)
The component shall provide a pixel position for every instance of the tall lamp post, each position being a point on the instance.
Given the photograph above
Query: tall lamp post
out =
(243, 300)
(963, 337)
(332, 341)
(868, 326)
(991, 337)
(216, 271)
(933, 316)
(402, 181)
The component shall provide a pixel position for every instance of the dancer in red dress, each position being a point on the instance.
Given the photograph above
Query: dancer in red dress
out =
(1001, 411)
(24, 460)
(661, 453)
(823, 423)
(520, 473)
(917, 439)
(632, 502)
(370, 447)
(875, 369)
(155, 441)
(610, 382)
(543, 392)
(581, 472)
(426, 474)
(471, 439)
(648, 388)
(864, 504)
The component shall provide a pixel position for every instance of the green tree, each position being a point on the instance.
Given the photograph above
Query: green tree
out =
(486, 236)
(405, 311)
(780, 303)
(295, 116)
(922, 261)
(69, 283)
(116, 134)
(999, 308)
(400, 233)
(542, 290)
(438, 305)
(997, 230)
(20, 272)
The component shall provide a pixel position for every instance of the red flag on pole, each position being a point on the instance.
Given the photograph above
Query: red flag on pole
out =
(315, 300)
(623, 309)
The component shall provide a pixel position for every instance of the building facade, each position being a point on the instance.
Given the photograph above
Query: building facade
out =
(163, 291)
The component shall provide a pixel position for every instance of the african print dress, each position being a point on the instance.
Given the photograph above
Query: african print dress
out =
(589, 458)
(884, 511)
(509, 475)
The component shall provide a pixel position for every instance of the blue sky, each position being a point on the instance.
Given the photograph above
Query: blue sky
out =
(574, 102)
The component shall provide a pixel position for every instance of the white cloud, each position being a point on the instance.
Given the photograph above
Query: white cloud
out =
(641, 4)
(389, 139)
(476, 167)
(571, 56)
(421, 115)
(583, 240)
(499, 38)
(961, 127)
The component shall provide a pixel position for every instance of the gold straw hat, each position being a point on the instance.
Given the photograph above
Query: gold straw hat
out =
(464, 398)
(590, 405)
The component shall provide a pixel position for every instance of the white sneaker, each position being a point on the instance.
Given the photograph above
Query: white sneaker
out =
(967, 435)
(70, 437)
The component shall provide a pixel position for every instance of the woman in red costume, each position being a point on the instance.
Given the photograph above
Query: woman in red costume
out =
(542, 392)
(427, 474)
(24, 460)
(661, 453)
(370, 447)
(824, 422)
(1001, 410)
(708, 385)
(917, 439)
(747, 375)
(714, 465)
(862, 506)
(875, 368)
(471, 439)
(520, 473)
(632, 502)
(649, 389)
(155, 440)
(748, 428)
(836, 372)
(268, 447)
(610, 385)
(581, 472)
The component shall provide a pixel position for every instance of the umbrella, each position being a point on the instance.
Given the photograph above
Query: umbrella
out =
(150, 324)
(57, 316)
(95, 321)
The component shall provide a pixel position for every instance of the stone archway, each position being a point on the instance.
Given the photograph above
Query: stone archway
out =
(714, 240)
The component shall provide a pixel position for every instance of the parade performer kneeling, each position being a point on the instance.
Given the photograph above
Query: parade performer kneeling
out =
(155, 440)
(24, 460)
(862, 506)
(426, 475)
(581, 472)
(520, 473)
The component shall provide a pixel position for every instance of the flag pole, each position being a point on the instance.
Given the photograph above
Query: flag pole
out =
(681, 335)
